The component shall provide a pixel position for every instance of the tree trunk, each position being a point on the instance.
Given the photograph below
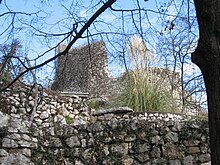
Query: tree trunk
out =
(207, 57)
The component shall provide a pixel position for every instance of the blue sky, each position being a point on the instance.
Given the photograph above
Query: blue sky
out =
(55, 11)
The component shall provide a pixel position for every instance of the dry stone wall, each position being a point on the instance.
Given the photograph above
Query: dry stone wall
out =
(66, 131)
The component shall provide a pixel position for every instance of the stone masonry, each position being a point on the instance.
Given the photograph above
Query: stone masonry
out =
(66, 132)
(83, 69)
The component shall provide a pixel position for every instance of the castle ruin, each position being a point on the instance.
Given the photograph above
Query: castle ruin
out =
(83, 69)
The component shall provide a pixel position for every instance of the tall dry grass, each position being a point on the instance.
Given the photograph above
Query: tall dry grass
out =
(143, 93)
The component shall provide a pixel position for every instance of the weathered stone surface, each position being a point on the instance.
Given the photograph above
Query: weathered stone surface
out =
(204, 157)
(155, 153)
(26, 152)
(56, 142)
(25, 137)
(16, 159)
(24, 143)
(9, 143)
(106, 150)
(208, 163)
(3, 119)
(171, 137)
(97, 127)
(73, 141)
(14, 136)
(128, 161)
(79, 162)
(194, 150)
(3, 153)
(143, 157)
(171, 151)
(174, 162)
(119, 110)
(79, 122)
(130, 138)
(156, 140)
(141, 147)
(188, 160)
(160, 161)
(120, 149)
(88, 153)
(31, 103)
(44, 115)
(38, 121)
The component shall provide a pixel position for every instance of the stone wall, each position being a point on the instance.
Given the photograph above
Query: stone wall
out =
(83, 69)
(66, 131)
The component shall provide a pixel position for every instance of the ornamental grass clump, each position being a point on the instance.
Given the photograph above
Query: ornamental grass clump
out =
(143, 92)
(144, 96)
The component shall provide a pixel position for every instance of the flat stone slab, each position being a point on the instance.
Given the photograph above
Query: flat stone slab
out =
(119, 110)
(75, 94)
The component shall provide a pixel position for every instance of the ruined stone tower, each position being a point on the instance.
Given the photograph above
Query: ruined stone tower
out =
(83, 69)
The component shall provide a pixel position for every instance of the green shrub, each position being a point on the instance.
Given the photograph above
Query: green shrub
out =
(96, 103)
(69, 120)
(93, 104)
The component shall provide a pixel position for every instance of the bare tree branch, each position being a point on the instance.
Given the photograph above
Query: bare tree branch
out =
(78, 35)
